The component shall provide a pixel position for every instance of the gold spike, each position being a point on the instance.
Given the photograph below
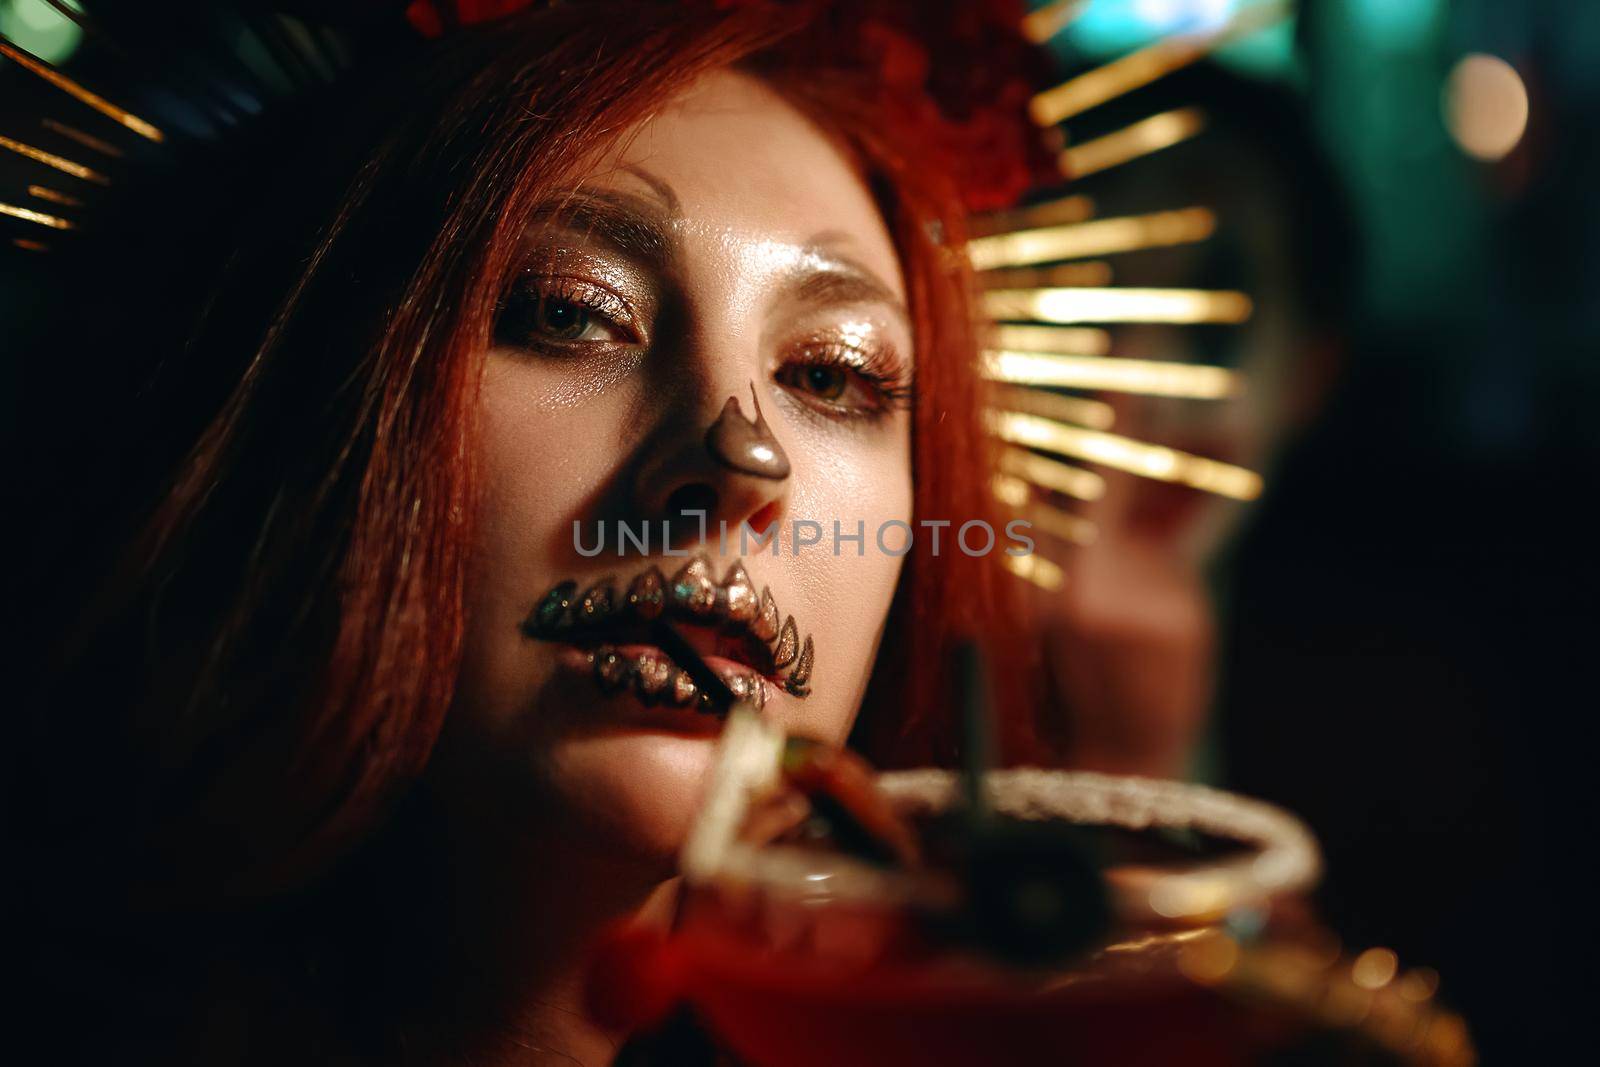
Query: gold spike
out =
(1044, 22)
(1117, 305)
(73, 134)
(30, 244)
(1050, 213)
(1131, 142)
(65, 166)
(1041, 514)
(1010, 490)
(1052, 474)
(45, 193)
(55, 222)
(1148, 64)
(1095, 414)
(1094, 273)
(1036, 569)
(1085, 340)
(1074, 529)
(1101, 237)
(1124, 453)
(1148, 377)
(1060, 523)
(33, 64)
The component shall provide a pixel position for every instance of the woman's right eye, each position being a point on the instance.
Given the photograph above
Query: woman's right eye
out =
(551, 312)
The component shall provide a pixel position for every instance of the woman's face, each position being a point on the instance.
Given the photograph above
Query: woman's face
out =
(725, 254)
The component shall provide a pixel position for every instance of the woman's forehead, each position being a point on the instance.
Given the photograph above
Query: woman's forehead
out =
(731, 164)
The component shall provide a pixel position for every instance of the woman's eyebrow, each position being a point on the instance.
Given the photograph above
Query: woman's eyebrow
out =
(826, 279)
(632, 225)
(663, 190)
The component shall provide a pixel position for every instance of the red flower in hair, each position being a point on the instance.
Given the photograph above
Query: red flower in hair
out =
(958, 72)
(432, 19)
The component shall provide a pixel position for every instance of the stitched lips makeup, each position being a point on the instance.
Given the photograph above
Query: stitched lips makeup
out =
(614, 630)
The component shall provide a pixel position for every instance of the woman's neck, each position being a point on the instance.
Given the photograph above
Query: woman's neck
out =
(520, 913)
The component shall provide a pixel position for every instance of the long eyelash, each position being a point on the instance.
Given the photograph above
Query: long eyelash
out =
(527, 291)
(589, 297)
(881, 369)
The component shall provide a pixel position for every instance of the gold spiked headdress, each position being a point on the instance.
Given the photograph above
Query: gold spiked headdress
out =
(1045, 269)
(1046, 275)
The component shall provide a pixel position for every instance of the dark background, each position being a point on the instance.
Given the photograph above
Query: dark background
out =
(1408, 616)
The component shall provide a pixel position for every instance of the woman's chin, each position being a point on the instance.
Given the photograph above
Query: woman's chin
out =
(634, 790)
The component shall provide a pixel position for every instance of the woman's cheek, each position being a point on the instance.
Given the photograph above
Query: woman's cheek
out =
(862, 485)
(536, 469)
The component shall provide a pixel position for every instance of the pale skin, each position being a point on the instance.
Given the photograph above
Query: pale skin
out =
(749, 245)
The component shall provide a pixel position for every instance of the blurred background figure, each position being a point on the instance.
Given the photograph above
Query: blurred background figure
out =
(1134, 637)
(1393, 639)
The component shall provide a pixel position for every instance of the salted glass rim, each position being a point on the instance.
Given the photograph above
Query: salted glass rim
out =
(1280, 858)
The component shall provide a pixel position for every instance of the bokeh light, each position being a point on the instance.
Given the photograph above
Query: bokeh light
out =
(1374, 968)
(1102, 29)
(1485, 106)
(1112, 26)
(40, 28)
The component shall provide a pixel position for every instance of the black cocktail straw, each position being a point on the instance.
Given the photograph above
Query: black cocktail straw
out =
(715, 690)
(1035, 897)
(977, 734)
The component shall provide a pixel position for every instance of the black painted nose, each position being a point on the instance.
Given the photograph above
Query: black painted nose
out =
(731, 469)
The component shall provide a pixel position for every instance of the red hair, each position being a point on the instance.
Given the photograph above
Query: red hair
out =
(287, 630)
(909, 717)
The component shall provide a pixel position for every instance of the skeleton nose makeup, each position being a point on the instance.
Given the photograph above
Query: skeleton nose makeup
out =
(746, 446)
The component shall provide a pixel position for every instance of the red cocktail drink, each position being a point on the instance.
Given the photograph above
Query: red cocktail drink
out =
(793, 953)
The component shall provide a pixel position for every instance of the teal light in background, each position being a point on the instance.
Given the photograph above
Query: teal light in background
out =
(39, 28)
(1396, 25)
(1380, 68)
(1109, 28)
(1267, 53)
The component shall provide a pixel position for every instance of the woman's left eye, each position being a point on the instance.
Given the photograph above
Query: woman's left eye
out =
(847, 382)
(828, 383)
(557, 311)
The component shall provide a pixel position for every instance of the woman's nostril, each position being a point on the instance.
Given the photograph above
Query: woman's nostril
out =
(764, 519)
(696, 496)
